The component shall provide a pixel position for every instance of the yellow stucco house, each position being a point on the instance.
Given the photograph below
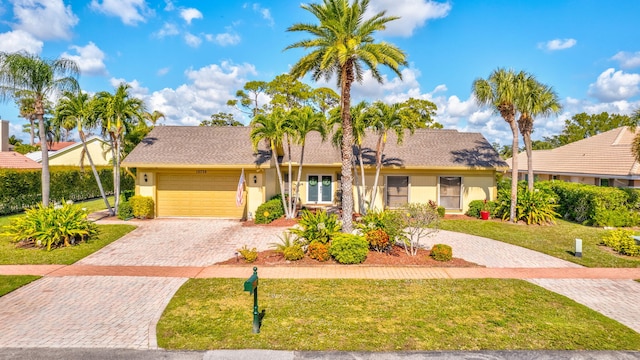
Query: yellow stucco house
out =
(194, 171)
(72, 153)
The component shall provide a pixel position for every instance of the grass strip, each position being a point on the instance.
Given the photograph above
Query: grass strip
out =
(556, 240)
(11, 255)
(8, 283)
(386, 315)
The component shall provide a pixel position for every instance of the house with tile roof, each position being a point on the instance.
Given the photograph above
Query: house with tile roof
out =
(11, 159)
(71, 153)
(194, 171)
(605, 159)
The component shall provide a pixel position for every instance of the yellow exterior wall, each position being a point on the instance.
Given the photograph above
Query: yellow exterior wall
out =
(99, 155)
(255, 191)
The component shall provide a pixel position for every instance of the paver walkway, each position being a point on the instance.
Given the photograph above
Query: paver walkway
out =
(114, 297)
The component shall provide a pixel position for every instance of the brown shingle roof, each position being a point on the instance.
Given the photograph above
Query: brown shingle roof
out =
(215, 146)
(14, 160)
(608, 153)
(204, 146)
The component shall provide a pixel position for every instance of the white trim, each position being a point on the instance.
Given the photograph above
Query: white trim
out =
(461, 200)
(319, 201)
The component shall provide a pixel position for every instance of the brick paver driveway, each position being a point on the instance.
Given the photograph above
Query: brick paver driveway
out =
(183, 242)
(122, 311)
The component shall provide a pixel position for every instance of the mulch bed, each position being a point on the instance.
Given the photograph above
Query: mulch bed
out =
(397, 257)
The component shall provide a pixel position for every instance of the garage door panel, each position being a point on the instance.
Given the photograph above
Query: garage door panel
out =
(202, 195)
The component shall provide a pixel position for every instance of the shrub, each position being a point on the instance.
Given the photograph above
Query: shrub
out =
(387, 221)
(319, 226)
(293, 253)
(621, 241)
(441, 252)
(349, 248)
(249, 255)
(441, 210)
(476, 206)
(269, 211)
(52, 226)
(378, 240)
(125, 211)
(127, 194)
(142, 206)
(318, 251)
(289, 246)
(533, 207)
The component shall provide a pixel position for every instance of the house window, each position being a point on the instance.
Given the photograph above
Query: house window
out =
(450, 192)
(320, 189)
(397, 191)
(605, 182)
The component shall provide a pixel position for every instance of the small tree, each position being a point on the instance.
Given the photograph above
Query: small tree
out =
(419, 220)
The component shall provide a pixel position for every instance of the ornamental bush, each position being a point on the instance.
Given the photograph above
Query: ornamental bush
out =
(293, 253)
(476, 206)
(125, 211)
(249, 255)
(378, 240)
(142, 206)
(621, 241)
(349, 248)
(269, 211)
(441, 252)
(317, 226)
(318, 251)
(52, 226)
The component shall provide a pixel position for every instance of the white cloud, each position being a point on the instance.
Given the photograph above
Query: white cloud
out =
(168, 29)
(207, 92)
(614, 85)
(90, 59)
(558, 44)
(189, 14)
(131, 12)
(192, 40)
(44, 19)
(224, 39)
(137, 90)
(264, 12)
(413, 14)
(17, 40)
(628, 60)
(168, 5)
(164, 71)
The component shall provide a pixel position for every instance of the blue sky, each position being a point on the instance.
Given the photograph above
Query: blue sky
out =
(187, 58)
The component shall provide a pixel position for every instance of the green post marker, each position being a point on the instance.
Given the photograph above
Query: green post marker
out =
(251, 285)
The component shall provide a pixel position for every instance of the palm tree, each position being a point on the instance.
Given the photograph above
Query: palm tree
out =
(502, 90)
(153, 117)
(539, 100)
(25, 104)
(385, 118)
(77, 107)
(117, 112)
(302, 122)
(269, 128)
(41, 78)
(342, 44)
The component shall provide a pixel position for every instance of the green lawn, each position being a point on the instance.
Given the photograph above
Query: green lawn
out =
(8, 283)
(386, 315)
(555, 240)
(10, 255)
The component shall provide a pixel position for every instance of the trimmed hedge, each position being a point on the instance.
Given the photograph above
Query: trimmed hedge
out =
(596, 205)
(22, 189)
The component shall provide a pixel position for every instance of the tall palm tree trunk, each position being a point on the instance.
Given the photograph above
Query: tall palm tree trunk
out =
(95, 172)
(289, 208)
(45, 175)
(380, 150)
(295, 200)
(346, 184)
(529, 150)
(514, 171)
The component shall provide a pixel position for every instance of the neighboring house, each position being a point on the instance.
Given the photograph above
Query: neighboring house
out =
(72, 153)
(11, 159)
(194, 171)
(605, 159)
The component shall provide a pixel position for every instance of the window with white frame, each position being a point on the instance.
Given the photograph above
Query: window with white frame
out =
(397, 191)
(319, 189)
(450, 192)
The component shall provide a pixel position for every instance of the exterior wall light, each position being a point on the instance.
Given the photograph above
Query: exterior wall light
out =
(255, 179)
(145, 178)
